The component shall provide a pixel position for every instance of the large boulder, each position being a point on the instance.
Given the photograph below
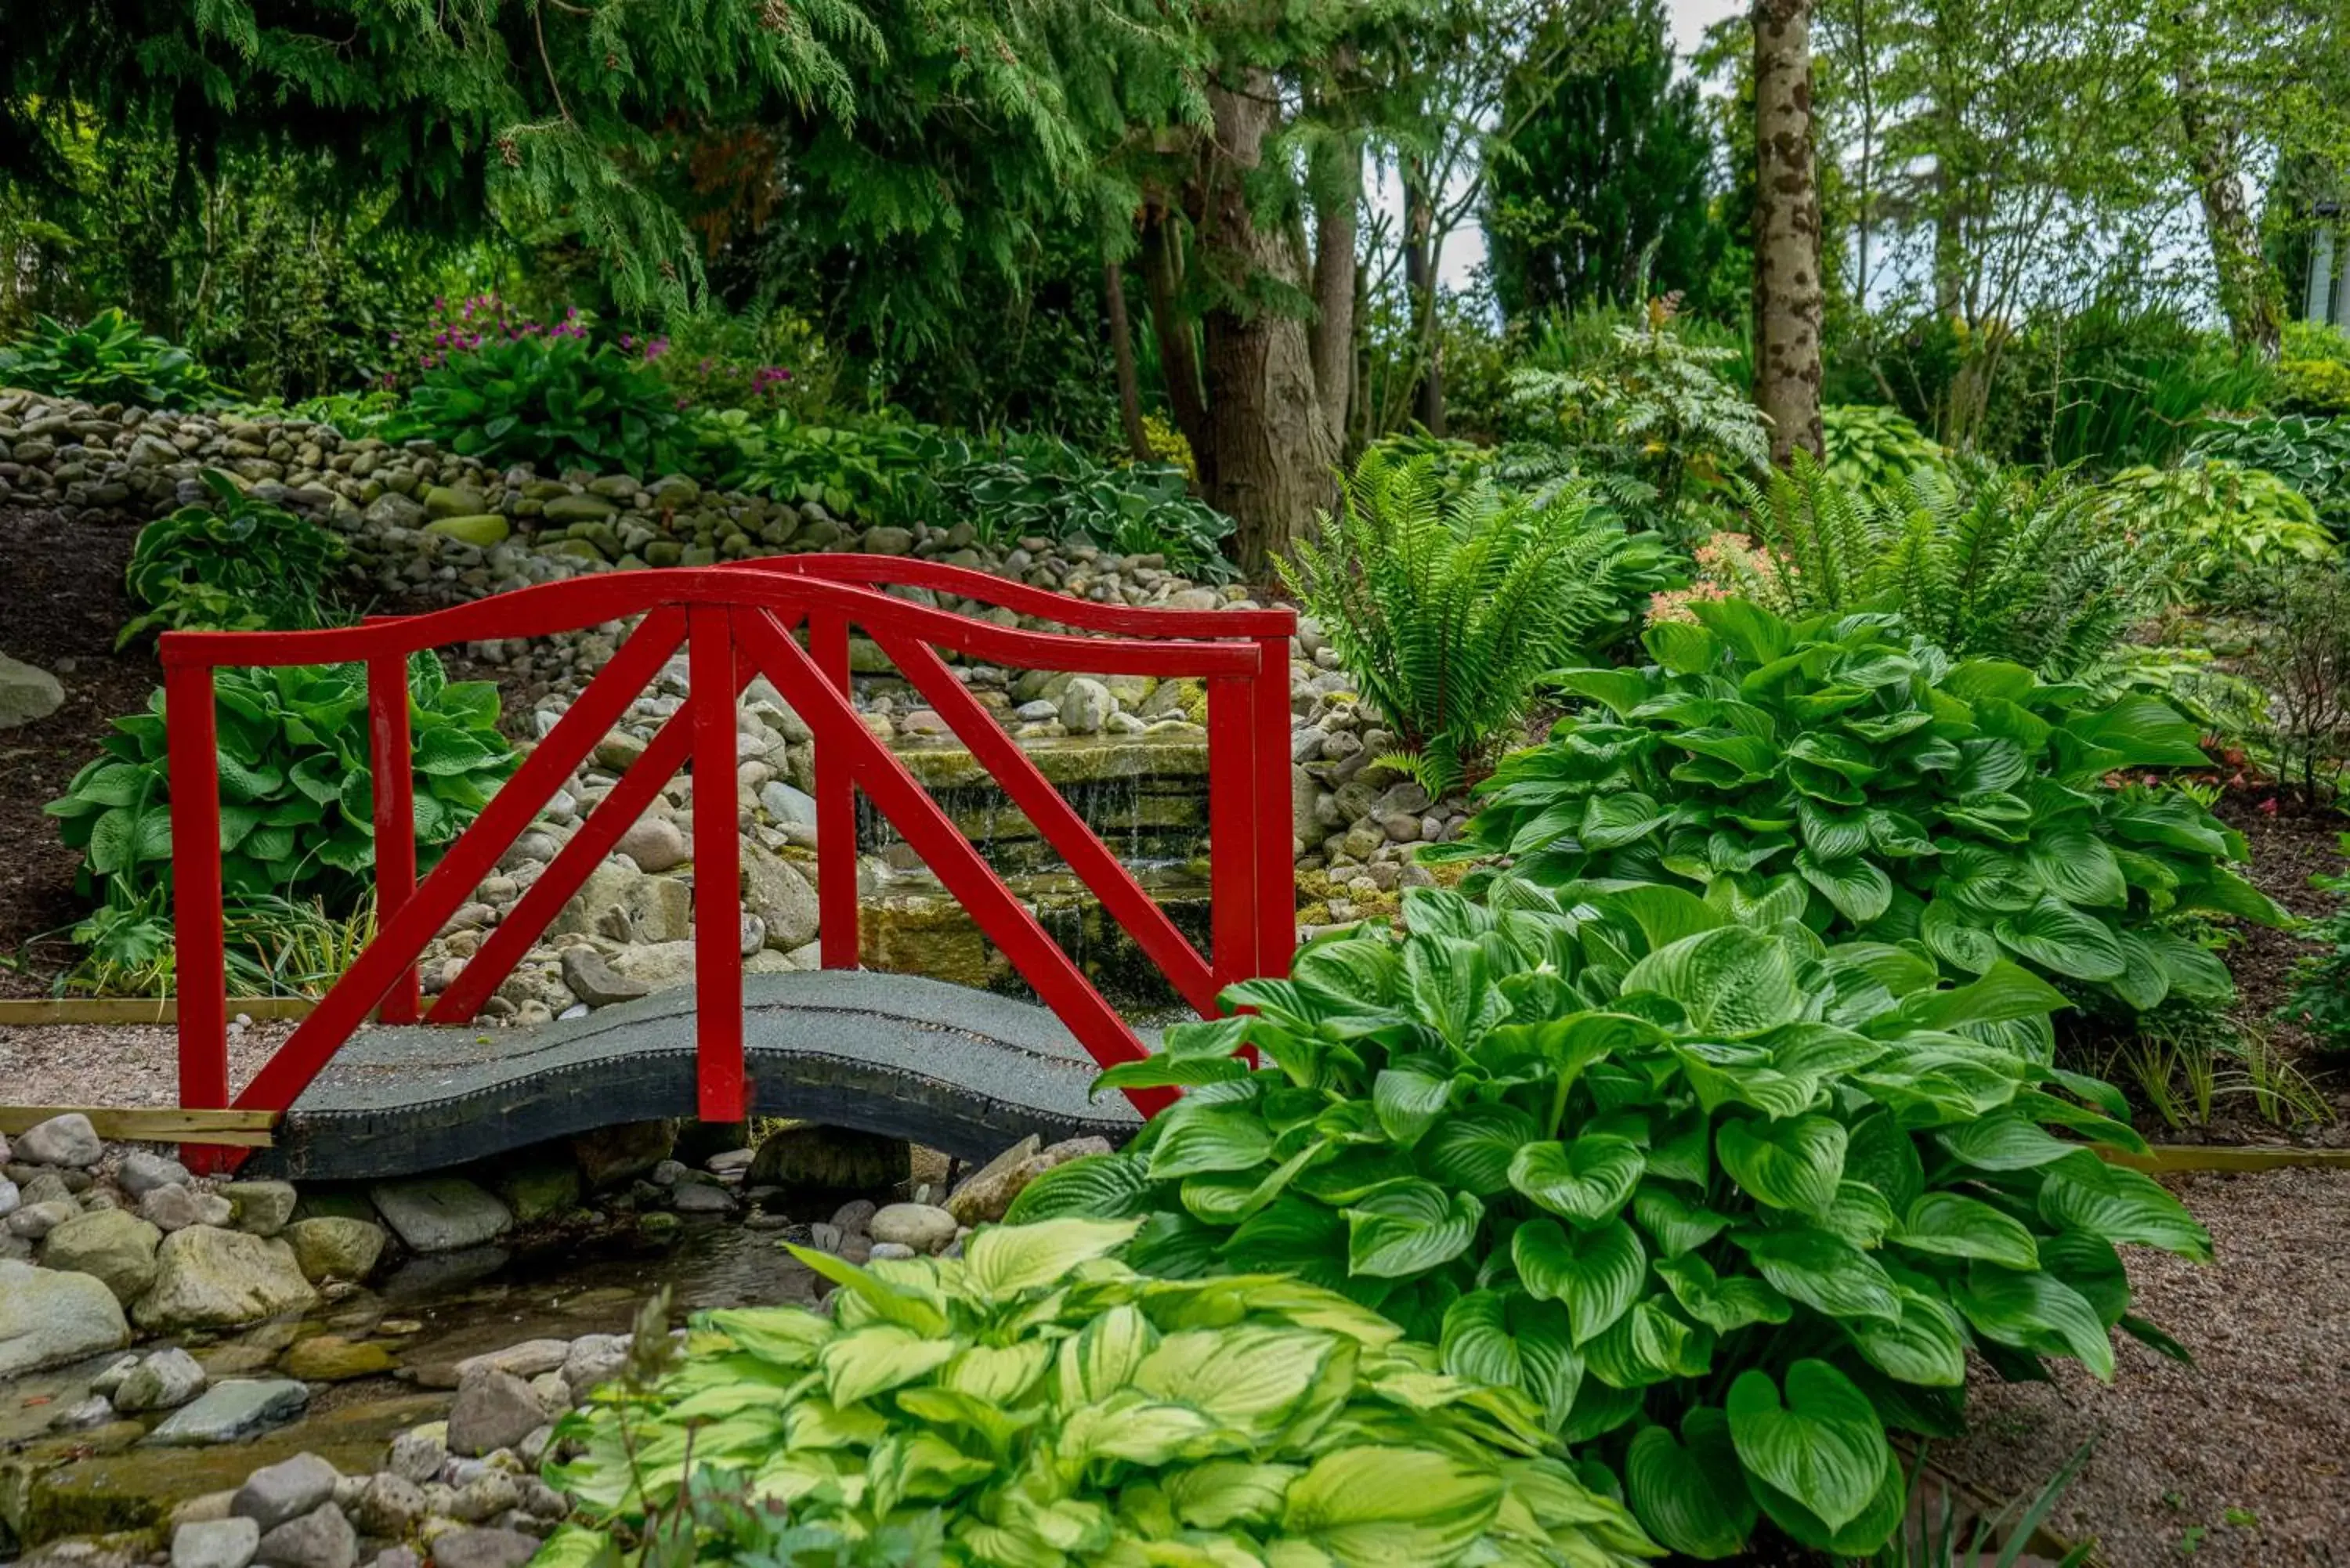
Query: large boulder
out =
(47, 1317)
(67, 1140)
(441, 1214)
(983, 1198)
(832, 1159)
(609, 1155)
(27, 693)
(774, 889)
(494, 1410)
(330, 1247)
(206, 1277)
(110, 1244)
(261, 1207)
(164, 1381)
(232, 1411)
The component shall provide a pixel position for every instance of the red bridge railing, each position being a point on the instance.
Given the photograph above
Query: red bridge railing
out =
(736, 622)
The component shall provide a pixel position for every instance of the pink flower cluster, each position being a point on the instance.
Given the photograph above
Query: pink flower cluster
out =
(485, 319)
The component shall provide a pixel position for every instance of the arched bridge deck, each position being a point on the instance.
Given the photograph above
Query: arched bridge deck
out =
(959, 1070)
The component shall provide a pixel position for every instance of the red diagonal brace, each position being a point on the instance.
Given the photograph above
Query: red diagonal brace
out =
(1002, 918)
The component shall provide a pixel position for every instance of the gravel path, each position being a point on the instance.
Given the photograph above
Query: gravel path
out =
(2243, 1459)
(113, 1063)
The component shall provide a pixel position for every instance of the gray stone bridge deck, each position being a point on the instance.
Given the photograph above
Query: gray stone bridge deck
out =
(957, 1069)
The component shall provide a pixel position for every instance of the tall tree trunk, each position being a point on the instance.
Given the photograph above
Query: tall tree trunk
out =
(1178, 353)
(1789, 304)
(2247, 289)
(1420, 290)
(1330, 337)
(1267, 429)
(1121, 350)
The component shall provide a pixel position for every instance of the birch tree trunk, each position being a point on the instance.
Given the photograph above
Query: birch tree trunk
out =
(1789, 304)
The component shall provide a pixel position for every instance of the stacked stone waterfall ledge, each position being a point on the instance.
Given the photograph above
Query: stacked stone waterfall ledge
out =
(425, 527)
(253, 1297)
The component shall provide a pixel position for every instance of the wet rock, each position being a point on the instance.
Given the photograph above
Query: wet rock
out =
(483, 1548)
(259, 1208)
(702, 1197)
(164, 1381)
(540, 1190)
(333, 1248)
(67, 1141)
(230, 1412)
(107, 1381)
(109, 1244)
(915, 1225)
(276, 1493)
(83, 1414)
(47, 1317)
(216, 1544)
(835, 1160)
(332, 1358)
(613, 1155)
(1087, 705)
(142, 1172)
(209, 1278)
(321, 1538)
(441, 1214)
(494, 1410)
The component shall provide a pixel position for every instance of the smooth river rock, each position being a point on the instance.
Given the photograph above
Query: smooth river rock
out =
(110, 1244)
(209, 1278)
(441, 1214)
(232, 1411)
(47, 1317)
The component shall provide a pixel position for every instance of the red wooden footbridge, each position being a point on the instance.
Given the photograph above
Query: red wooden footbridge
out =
(411, 1101)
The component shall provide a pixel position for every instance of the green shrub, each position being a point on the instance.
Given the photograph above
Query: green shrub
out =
(1725, 1201)
(546, 398)
(108, 359)
(2310, 454)
(298, 809)
(2212, 521)
(241, 564)
(1059, 1408)
(1041, 486)
(1982, 562)
(1445, 610)
(1866, 782)
(878, 473)
(2313, 372)
(1871, 447)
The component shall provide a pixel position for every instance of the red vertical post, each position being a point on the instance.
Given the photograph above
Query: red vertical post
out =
(717, 867)
(1276, 828)
(395, 815)
(835, 807)
(1231, 836)
(191, 739)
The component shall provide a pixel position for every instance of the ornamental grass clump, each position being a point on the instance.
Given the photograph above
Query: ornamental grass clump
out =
(1054, 1407)
(1863, 782)
(1726, 1202)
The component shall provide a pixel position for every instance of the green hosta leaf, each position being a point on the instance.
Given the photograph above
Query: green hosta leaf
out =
(1832, 835)
(1510, 1339)
(1731, 981)
(2076, 866)
(1691, 1494)
(1162, 1071)
(878, 1358)
(1408, 1227)
(1201, 1135)
(1005, 1260)
(1648, 1345)
(1680, 1224)
(2006, 991)
(1391, 1506)
(1859, 889)
(2142, 732)
(2035, 1313)
(1925, 1345)
(1132, 1428)
(1409, 1098)
(1471, 1149)
(1596, 1273)
(1251, 1377)
(1822, 1271)
(1100, 1186)
(1722, 1305)
(2054, 934)
(1588, 1180)
(1612, 821)
(2003, 1142)
(1792, 1164)
(1958, 940)
(1954, 1226)
(2120, 1206)
(1879, 1152)
(1452, 987)
(1824, 1447)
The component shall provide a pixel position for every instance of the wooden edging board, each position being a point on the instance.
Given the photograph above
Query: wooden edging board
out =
(19, 1014)
(2166, 1158)
(154, 1123)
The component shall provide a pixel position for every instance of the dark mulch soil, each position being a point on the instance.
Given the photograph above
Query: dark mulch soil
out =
(62, 604)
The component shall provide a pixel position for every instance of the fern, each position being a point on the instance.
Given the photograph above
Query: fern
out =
(1446, 602)
(1981, 561)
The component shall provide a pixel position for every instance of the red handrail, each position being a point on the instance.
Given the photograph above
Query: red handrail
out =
(736, 621)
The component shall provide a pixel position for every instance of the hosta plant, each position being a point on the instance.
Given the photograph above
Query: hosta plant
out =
(1059, 1408)
(297, 802)
(550, 400)
(1872, 447)
(110, 359)
(1875, 788)
(238, 565)
(2215, 521)
(1728, 1203)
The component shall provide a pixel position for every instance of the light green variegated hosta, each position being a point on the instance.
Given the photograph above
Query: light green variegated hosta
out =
(1062, 1409)
(1725, 1201)
(1861, 781)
